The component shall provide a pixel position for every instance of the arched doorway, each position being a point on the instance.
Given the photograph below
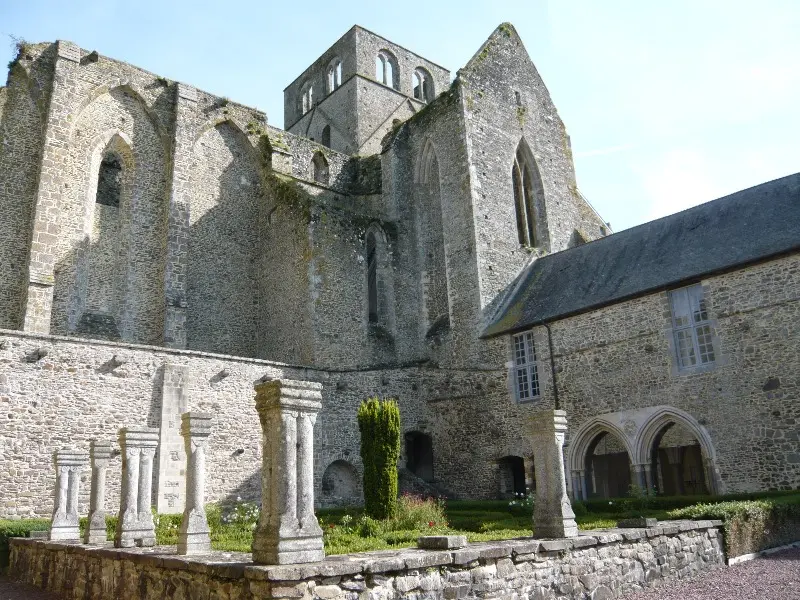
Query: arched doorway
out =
(608, 467)
(512, 477)
(419, 454)
(677, 462)
(340, 485)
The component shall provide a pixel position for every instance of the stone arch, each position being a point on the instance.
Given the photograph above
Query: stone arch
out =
(231, 122)
(513, 480)
(117, 113)
(655, 426)
(320, 171)
(528, 195)
(583, 446)
(430, 232)
(341, 485)
(222, 259)
(387, 70)
(422, 85)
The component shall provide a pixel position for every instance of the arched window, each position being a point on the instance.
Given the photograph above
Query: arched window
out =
(422, 83)
(334, 79)
(307, 97)
(320, 167)
(326, 136)
(527, 196)
(109, 181)
(372, 278)
(386, 69)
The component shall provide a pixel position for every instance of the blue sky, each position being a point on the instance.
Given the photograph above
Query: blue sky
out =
(668, 104)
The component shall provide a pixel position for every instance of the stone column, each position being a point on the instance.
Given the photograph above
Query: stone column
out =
(64, 525)
(287, 531)
(552, 513)
(639, 478)
(135, 525)
(100, 455)
(194, 536)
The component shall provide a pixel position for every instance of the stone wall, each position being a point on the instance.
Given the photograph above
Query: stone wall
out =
(602, 564)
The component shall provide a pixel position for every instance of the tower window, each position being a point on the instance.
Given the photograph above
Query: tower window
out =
(334, 75)
(386, 69)
(307, 98)
(422, 83)
(109, 181)
(326, 136)
(527, 185)
(372, 278)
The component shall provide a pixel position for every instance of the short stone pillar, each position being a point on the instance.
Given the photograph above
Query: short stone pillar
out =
(100, 456)
(69, 464)
(135, 525)
(552, 511)
(194, 536)
(287, 531)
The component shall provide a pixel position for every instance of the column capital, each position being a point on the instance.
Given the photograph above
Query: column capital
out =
(288, 394)
(196, 424)
(100, 450)
(138, 437)
(64, 457)
(549, 421)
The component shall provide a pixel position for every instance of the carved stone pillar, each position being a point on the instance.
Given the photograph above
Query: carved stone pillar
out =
(64, 525)
(287, 531)
(194, 536)
(552, 513)
(100, 455)
(135, 525)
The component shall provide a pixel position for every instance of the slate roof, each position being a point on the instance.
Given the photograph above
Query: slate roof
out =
(745, 227)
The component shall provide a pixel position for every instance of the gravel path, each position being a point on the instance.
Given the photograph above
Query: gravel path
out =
(772, 577)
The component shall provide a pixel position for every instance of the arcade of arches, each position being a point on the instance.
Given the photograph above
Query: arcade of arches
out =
(670, 453)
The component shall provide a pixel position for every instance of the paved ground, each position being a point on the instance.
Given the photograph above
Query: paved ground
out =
(773, 577)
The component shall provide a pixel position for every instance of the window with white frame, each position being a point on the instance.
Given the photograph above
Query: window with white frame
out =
(691, 328)
(526, 376)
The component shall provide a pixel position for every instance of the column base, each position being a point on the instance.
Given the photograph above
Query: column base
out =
(96, 528)
(269, 550)
(136, 537)
(194, 543)
(566, 529)
(64, 532)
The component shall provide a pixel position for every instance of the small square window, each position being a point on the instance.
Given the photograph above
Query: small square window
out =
(691, 328)
(526, 376)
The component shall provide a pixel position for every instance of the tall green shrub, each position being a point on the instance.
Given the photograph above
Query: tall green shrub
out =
(379, 423)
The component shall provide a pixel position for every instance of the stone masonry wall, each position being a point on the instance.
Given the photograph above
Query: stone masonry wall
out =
(601, 564)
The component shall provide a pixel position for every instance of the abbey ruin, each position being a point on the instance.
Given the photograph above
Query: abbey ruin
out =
(409, 233)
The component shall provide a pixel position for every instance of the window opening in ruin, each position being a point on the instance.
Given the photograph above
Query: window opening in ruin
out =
(307, 98)
(320, 167)
(334, 75)
(526, 376)
(372, 278)
(326, 136)
(423, 85)
(386, 69)
(691, 327)
(522, 175)
(109, 181)
(419, 454)
(512, 477)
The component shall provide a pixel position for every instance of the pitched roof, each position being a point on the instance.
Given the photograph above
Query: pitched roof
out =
(746, 227)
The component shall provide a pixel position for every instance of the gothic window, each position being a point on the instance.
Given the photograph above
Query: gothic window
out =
(422, 84)
(307, 97)
(526, 376)
(320, 168)
(334, 78)
(109, 181)
(691, 327)
(372, 278)
(386, 69)
(326, 136)
(527, 186)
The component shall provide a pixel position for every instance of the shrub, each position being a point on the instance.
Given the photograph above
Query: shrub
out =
(415, 512)
(379, 424)
(579, 508)
(21, 528)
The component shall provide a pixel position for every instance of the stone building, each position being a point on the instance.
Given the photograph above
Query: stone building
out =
(162, 249)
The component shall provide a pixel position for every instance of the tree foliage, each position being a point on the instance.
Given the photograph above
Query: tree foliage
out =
(379, 424)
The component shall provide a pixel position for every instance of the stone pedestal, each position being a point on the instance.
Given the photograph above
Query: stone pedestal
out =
(135, 525)
(69, 464)
(194, 536)
(100, 456)
(552, 512)
(288, 531)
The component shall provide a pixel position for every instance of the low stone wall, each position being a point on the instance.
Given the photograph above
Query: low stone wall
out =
(597, 565)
